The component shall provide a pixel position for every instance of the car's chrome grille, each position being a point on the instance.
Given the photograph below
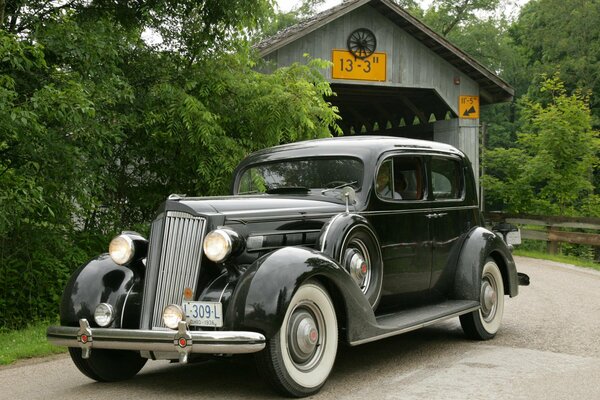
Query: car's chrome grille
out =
(173, 263)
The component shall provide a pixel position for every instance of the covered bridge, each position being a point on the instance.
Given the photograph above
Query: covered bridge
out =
(392, 74)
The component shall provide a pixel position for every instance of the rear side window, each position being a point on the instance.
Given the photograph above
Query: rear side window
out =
(401, 178)
(446, 178)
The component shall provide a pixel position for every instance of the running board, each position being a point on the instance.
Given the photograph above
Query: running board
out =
(409, 320)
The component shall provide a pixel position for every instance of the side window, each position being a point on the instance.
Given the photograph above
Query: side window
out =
(409, 179)
(384, 181)
(446, 178)
(401, 178)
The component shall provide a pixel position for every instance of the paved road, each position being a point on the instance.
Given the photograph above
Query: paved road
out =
(548, 348)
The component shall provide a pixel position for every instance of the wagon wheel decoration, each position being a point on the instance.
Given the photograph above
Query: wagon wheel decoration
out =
(362, 43)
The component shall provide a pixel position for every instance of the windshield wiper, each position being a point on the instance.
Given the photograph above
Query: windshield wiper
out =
(339, 186)
(288, 189)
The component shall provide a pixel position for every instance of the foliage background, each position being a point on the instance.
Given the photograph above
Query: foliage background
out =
(98, 125)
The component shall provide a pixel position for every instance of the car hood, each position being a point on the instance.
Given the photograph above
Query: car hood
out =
(262, 205)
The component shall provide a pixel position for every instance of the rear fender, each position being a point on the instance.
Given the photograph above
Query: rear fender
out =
(103, 281)
(478, 246)
(262, 296)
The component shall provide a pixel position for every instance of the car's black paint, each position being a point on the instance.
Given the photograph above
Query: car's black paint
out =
(103, 281)
(266, 288)
(425, 259)
(478, 246)
(330, 240)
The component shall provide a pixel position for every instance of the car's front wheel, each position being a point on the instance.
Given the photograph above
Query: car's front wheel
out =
(298, 359)
(485, 322)
(108, 365)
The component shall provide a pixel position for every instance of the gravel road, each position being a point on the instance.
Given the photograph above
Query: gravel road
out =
(548, 348)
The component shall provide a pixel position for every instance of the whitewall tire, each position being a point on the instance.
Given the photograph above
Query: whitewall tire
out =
(484, 323)
(299, 357)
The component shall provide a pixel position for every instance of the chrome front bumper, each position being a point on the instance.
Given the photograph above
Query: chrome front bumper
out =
(182, 341)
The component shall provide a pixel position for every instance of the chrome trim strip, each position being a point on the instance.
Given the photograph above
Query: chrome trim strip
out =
(418, 210)
(414, 327)
(428, 207)
(327, 230)
(277, 218)
(288, 232)
(211, 342)
(125, 304)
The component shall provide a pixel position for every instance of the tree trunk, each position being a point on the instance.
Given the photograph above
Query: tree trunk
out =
(2, 10)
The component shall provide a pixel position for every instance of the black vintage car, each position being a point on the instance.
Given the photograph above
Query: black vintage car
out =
(346, 239)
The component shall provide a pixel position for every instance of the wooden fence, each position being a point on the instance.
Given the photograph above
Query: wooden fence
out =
(555, 229)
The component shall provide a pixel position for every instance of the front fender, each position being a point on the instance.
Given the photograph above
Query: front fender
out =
(103, 281)
(478, 246)
(264, 291)
(330, 241)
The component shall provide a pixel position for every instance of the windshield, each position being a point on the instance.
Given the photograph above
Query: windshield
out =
(301, 175)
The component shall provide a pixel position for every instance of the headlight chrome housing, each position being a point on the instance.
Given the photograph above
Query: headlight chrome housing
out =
(121, 249)
(126, 247)
(172, 315)
(104, 314)
(220, 244)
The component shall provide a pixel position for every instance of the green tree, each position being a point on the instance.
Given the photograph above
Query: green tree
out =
(562, 36)
(550, 170)
(446, 15)
(97, 126)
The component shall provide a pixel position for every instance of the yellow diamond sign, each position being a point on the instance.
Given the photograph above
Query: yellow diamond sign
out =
(468, 107)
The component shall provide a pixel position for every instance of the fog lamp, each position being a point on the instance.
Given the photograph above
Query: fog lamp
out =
(172, 315)
(121, 249)
(104, 314)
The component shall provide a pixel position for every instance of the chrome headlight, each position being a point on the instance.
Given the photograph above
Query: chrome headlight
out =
(218, 245)
(126, 247)
(121, 249)
(172, 315)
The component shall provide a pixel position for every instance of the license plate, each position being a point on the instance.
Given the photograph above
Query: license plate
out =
(203, 313)
(513, 238)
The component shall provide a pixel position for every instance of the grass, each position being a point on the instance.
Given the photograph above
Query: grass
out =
(26, 343)
(559, 258)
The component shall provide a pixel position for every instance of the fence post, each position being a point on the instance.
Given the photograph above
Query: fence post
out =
(551, 246)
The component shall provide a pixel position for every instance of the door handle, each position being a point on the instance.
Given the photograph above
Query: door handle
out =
(435, 215)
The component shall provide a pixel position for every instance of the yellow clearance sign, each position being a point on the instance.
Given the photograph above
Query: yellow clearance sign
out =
(346, 66)
(468, 107)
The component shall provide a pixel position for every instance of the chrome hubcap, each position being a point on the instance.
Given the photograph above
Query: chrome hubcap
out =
(358, 264)
(489, 298)
(358, 267)
(304, 338)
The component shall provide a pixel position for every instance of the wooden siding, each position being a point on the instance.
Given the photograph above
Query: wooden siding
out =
(410, 63)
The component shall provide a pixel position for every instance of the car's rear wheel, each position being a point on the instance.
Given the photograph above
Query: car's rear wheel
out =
(299, 357)
(108, 365)
(361, 257)
(484, 323)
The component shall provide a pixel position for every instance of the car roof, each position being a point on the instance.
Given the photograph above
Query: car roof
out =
(363, 146)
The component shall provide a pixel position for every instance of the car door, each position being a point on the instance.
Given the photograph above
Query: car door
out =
(450, 217)
(398, 213)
